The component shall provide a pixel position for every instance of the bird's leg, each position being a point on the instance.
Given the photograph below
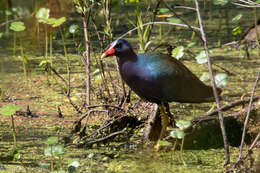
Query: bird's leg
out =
(172, 120)
(165, 121)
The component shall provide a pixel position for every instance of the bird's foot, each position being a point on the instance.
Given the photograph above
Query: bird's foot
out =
(157, 147)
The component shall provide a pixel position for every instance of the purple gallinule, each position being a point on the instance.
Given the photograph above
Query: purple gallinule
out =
(158, 78)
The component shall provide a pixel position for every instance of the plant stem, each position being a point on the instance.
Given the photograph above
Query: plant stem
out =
(247, 116)
(14, 50)
(6, 21)
(182, 142)
(86, 61)
(256, 31)
(213, 83)
(14, 132)
(219, 27)
(24, 61)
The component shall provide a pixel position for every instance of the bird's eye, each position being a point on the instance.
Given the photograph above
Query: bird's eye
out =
(119, 45)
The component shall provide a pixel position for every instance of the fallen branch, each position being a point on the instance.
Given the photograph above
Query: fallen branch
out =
(231, 105)
(104, 138)
(241, 113)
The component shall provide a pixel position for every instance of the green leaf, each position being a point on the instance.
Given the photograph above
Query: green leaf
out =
(73, 28)
(59, 22)
(177, 133)
(220, 2)
(53, 150)
(42, 15)
(237, 30)
(44, 62)
(17, 26)
(58, 150)
(178, 52)
(164, 10)
(96, 72)
(8, 12)
(9, 109)
(221, 79)
(72, 167)
(174, 20)
(205, 76)
(201, 58)
(52, 140)
(182, 124)
(237, 17)
(14, 9)
(90, 155)
(191, 44)
(60, 171)
(48, 151)
(16, 154)
(258, 1)
(164, 143)
(1, 34)
(147, 44)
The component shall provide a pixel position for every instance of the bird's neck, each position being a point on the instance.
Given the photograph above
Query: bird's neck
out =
(127, 56)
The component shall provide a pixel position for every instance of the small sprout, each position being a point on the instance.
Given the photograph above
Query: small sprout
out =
(204, 77)
(221, 79)
(201, 58)
(182, 124)
(73, 29)
(174, 20)
(237, 30)
(43, 62)
(164, 143)
(16, 154)
(178, 52)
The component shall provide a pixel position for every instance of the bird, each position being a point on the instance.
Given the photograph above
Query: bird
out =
(158, 78)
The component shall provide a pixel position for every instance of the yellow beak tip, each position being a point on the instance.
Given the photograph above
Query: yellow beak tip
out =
(103, 56)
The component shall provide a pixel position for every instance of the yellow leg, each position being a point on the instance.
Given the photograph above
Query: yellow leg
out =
(165, 121)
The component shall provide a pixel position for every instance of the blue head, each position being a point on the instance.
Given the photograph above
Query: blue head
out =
(119, 48)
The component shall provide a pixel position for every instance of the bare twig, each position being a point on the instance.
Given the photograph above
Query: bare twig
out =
(184, 21)
(247, 116)
(161, 23)
(67, 94)
(106, 137)
(231, 105)
(252, 145)
(104, 105)
(86, 54)
(246, 3)
(237, 114)
(213, 85)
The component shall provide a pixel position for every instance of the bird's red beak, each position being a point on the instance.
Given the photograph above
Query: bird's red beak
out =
(110, 52)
